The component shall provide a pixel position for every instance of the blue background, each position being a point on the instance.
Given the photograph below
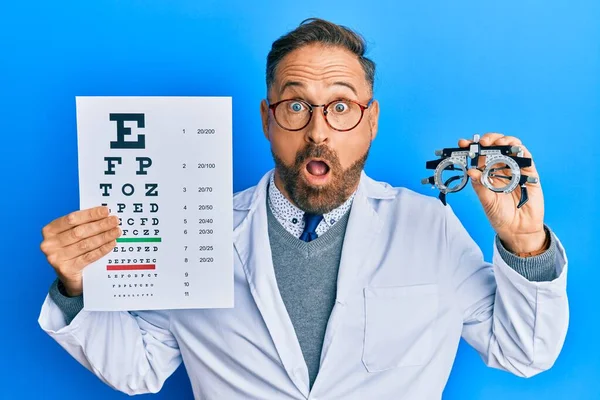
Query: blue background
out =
(445, 70)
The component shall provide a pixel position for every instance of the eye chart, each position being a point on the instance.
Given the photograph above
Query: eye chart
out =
(163, 165)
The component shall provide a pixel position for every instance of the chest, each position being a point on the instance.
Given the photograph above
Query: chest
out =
(389, 305)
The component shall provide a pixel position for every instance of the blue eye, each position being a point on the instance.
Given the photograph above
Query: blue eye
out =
(340, 107)
(296, 107)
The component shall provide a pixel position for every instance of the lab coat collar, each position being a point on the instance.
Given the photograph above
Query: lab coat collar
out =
(251, 241)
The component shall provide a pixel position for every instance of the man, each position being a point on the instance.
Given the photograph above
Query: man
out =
(345, 287)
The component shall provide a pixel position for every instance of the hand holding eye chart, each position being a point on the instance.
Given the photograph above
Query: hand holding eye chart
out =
(163, 166)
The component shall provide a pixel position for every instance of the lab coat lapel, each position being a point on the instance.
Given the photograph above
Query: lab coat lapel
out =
(364, 225)
(251, 240)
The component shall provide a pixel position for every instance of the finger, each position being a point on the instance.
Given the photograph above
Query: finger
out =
(532, 170)
(486, 140)
(475, 176)
(489, 138)
(507, 141)
(86, 259)
(464, 142)
(82, 232)
(482, 192)
(526, 152)
(85, 246)
(499, 175)
(74, 219)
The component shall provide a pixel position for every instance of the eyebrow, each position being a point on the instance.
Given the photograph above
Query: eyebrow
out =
(290, 84)
(346, 84)
(302, 85)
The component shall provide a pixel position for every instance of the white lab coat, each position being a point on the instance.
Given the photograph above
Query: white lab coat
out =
(411, 282)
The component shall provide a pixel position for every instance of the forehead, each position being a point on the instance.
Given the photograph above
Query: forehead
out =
(322, 66)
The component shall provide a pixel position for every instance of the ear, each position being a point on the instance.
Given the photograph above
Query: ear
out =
(264, 115)
(373, 113)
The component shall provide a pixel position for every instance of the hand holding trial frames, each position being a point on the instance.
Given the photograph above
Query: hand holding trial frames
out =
(461, 159)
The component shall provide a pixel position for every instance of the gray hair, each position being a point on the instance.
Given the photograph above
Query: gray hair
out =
(315, 30)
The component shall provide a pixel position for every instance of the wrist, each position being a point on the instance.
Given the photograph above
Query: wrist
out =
(527, 245)
(65, 291)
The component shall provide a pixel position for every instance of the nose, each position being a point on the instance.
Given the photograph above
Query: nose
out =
(317, 131)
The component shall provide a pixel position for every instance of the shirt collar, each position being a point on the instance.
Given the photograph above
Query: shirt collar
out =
(290, 215)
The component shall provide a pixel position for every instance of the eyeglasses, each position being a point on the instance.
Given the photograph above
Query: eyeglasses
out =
(341, 114)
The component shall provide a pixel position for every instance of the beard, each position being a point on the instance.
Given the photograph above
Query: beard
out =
(324, 198)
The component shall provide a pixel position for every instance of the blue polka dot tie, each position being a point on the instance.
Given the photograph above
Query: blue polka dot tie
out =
(311, 221)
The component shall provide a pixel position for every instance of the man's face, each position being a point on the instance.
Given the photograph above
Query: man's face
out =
(317, 167)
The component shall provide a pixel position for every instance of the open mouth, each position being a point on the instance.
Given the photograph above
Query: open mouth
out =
(317, 167)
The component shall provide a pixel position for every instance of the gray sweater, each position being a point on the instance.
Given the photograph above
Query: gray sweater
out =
(306, 275)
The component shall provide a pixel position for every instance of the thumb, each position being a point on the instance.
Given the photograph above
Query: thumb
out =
(482, 192)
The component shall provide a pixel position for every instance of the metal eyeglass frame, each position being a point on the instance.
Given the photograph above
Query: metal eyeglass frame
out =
(311, 107)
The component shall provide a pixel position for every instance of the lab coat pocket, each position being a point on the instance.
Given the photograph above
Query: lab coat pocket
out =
(399, 326)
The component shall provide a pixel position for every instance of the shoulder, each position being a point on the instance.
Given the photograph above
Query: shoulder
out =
(243, 199)
(407, 211)
(386, 195)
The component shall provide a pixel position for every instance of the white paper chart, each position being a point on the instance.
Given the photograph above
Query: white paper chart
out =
(163, 165)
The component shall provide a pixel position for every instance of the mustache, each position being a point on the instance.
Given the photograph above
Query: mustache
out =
(317, 151)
